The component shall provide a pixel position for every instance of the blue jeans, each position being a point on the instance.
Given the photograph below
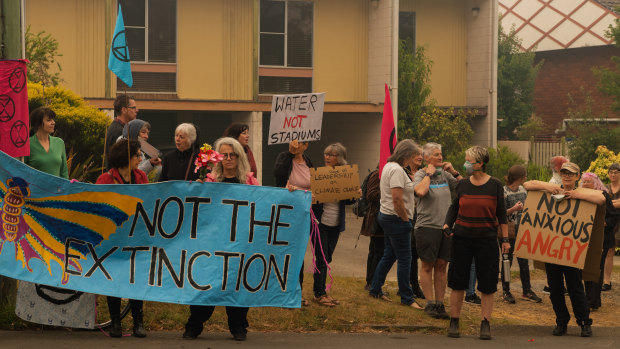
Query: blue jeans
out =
(472, 281)
(397, 236)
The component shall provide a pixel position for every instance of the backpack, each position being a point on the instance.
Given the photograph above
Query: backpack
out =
(360, 206)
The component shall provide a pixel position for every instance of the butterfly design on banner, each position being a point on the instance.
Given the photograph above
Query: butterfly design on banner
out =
(39, 227)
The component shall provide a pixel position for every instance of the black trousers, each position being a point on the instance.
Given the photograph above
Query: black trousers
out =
(237, 318)
(413, 278)
(556, 274)
(114, 307)
(593, 289)
(375, 252)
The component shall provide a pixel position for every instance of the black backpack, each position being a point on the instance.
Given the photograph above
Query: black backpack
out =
(360, 206)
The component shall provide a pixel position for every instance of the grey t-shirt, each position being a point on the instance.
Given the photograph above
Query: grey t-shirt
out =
(394, 176)
(433, 206)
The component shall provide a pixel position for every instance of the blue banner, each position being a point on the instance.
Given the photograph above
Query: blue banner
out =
(174, 242)
(119, 60)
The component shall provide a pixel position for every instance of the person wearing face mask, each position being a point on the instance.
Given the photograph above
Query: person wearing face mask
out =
(556, 274)
(433, 186)
(590, 180)
(473, 219)
(179, 164)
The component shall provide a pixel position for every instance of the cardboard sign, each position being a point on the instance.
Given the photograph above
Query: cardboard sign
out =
(296, 117)
(565, 232)
(332, 184)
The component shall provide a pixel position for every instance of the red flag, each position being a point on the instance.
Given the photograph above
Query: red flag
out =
(388, 132)
(14, 124)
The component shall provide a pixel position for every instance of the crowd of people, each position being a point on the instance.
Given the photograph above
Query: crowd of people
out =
(419, 207)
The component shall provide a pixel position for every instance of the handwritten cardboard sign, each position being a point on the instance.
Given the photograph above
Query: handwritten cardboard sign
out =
(565, 232)
(296, 117)
(331, 184)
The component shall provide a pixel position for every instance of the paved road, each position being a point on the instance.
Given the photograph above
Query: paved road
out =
(514, 337)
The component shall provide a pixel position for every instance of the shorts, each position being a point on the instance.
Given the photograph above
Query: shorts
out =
(485, 253)
(432, 244)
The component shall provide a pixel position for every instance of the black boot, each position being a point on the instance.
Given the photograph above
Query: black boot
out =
(116, 329)
(453, 330)
(485, 329)
(138, 325)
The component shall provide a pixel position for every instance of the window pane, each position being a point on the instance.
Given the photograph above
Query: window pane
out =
(133, 12)
(272, 16)
(150, 82)
(162, 31)
(299, 40)
(277, 84)
(272, 49)
(135, 41)
(406, 30)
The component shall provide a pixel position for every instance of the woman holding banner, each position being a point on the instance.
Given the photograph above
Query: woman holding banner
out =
(593, 288)
(557, 273)
(234, 168)
(331, 217)
(123, 160)
(473, 219)
(395, 217)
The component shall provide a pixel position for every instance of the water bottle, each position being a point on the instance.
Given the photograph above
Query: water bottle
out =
(506, 267)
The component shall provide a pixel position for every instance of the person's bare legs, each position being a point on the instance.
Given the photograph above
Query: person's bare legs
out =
(487, 305)
(609, 266)
(426, 280)
(456, 303)
(441, 279)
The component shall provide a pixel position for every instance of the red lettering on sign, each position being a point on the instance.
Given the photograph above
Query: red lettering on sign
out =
(294, 121)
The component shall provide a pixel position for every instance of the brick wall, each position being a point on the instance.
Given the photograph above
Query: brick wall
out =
(567, 71)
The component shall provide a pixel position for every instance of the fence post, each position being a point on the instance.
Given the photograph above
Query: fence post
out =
(563, 145)
(531, 158)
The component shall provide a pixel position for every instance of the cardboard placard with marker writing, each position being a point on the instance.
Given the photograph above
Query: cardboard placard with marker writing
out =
(332, 184)
(565, 232)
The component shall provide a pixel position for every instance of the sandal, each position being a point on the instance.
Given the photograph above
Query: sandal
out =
(381, 296)
(333, 300)
(304, 302)
(414, 305)
(325, 301)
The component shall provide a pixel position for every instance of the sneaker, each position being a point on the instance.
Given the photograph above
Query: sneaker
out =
(473, 299)
(606, 287)
(586, 331)
(453, 330)
(546, 290)
(530, 295)
(508, 298)
(559, 330)
(240, 336)
(430, 310)
(441, 312)
(191, 334)
(485, 329)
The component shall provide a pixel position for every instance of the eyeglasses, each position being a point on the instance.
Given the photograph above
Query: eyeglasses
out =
(331, 154)
(230, 156)
(134, 107)
(567, 174)
(613, 172)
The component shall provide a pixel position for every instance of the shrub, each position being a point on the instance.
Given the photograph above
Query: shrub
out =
(79, 124)
(604, 159)
(500, 160)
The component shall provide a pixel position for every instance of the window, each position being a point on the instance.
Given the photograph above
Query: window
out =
(406, 29)
(150, 29)
(285, 46)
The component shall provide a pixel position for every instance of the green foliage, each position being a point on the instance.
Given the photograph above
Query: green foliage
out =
(516, 74)
(588, 133)
(530, 128)
(540, 173)
(79, 124)
(414, 88)
(42, 51)
(500, 160)
(604, 159)
(418, 118)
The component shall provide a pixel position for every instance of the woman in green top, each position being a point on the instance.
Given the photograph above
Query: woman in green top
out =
(47, 153)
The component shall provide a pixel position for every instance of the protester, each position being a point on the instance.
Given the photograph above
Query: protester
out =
(413, 278)
(557, 273)
(433, 185)
(234, 168)
(331, 218)
(241, 132)
(179, 164)
(614, 191)
(47, 153)
(472, 220)
(590, 180)
(292, 170)
(395, 216)
(124, 170)
(125, 110)
(556, 165)
(514, 197)
(370, 226)
(139, 129)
